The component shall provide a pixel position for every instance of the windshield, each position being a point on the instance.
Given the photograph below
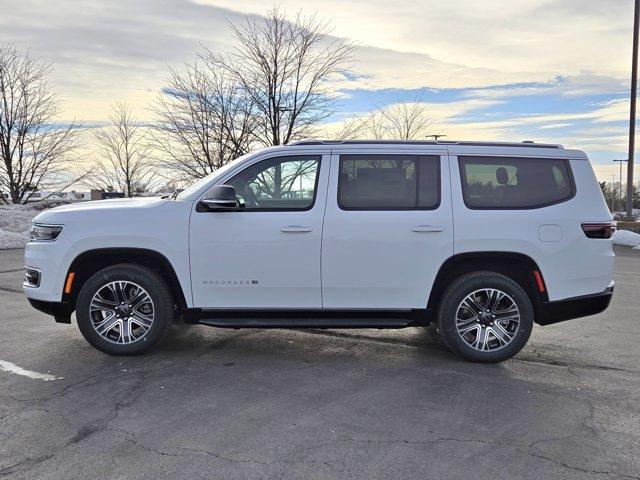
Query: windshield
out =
(187, 192)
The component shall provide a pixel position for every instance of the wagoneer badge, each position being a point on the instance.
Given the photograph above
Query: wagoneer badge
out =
(230, 283)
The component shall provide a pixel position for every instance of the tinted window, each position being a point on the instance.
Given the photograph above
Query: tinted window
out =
(388, 182)
(287, 183)
(489, 182)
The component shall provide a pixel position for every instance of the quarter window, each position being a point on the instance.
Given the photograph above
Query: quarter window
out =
(389, 182)
(512, 183)
(281, 183)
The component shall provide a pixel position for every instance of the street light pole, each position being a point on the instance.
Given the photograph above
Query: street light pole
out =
(620, 177)
(613, 193)
(632, 110)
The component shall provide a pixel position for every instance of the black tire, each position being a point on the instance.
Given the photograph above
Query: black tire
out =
(162, 304)
(466, 285)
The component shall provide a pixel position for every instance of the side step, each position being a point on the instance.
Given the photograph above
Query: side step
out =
(226, 322)
(305, 319)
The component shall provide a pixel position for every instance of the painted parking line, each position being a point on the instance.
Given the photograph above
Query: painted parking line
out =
(13, 368)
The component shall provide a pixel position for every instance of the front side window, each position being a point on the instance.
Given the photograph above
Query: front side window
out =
(513, 183)
(389, 182)
(281, 183)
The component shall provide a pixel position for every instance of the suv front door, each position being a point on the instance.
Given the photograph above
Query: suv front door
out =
(267, 254)
(388, 228)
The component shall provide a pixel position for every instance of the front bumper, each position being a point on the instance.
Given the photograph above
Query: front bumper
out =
(61, 311)
(49, 260)
(575, 307)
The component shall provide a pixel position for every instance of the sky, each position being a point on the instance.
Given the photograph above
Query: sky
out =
(547, 70)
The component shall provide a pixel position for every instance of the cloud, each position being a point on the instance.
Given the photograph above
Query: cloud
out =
(552, 71)
(555, 125)
(106, 51)
(528, 39)
(597, 126)
(575, 85)
(611, 173)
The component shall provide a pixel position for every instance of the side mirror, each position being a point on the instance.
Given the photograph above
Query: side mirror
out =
(220, 198)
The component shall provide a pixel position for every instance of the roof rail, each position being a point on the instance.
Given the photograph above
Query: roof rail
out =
(525, 144)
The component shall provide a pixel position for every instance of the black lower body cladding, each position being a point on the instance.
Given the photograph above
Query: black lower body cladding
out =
(576, 307)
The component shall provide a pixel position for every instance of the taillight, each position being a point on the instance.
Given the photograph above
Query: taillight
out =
(598, 230)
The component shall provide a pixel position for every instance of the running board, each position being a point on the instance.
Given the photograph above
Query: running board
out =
(306, 319)
(248, 322)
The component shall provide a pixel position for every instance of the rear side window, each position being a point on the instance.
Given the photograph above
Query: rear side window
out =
(389, 182)
(513, 183)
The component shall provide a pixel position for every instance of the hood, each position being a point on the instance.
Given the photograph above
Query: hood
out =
(97, 207)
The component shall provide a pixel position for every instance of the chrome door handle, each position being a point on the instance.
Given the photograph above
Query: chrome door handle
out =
(426, 228)
(296, 229)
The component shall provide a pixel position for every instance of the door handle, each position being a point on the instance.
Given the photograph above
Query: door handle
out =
(426, 228)
(296, 229)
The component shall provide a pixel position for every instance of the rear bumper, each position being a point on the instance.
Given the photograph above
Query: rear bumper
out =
(60, 311)
(576, 307)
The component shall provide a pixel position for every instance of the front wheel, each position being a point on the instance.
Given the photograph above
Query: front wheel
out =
(485, 317)
(124, 309)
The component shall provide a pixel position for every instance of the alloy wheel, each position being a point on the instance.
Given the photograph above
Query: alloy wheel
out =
(121, 312)
(487, 319)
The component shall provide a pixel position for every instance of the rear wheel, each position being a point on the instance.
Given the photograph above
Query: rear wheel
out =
(124, 309)
(485, 317)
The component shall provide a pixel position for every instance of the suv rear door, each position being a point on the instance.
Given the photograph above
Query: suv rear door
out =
(388, 227)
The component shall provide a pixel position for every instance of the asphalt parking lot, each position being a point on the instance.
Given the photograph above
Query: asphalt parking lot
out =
(321, 404)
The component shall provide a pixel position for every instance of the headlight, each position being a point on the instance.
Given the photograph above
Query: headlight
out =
(44, 233)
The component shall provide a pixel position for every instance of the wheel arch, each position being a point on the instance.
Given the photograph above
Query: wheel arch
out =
(91, 261)
(517, 266)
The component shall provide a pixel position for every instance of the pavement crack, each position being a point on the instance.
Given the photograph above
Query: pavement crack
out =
(554, 363)
(10, 289)
(83, 433)
(4, 471)
(13, 270)
(191, 451)
(578, 469)
(519, 447)
(129, 437)
(627, 274)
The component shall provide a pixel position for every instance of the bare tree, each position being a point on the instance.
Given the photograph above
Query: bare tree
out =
(402, 120)
(285, 67)
(352, 128)
(203, 121)
(124, 155)
(278, 182)
(36, 150)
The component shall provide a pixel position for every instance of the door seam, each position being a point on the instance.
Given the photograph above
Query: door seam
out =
(451, 205)
(324, 214)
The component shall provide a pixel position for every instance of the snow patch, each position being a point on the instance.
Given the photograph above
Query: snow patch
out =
(12, 239)
(627, 238)
(15, 222)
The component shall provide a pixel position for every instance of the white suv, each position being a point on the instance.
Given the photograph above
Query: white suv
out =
(483, 238)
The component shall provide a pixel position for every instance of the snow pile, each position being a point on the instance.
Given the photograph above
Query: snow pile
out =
(12, 240)
(15, 222)
(627, 238)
